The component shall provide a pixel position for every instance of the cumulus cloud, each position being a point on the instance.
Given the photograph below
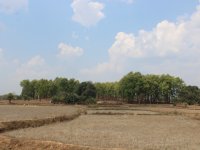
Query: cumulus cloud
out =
(36, 61)
(12, 6)
(32, 69)
(87, 12)
(166, 42)
(122, 48)
(66, 50)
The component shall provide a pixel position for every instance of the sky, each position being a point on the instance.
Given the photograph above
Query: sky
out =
(98, 40)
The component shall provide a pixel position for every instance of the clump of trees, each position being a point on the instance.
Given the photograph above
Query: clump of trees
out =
(10, 97)
(60, 90)
(132, 88)
(137, 88)
(190, 95)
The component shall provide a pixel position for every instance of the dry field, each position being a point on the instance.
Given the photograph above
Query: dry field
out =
(20, 112)
(122, 131)
(14, 117)
(43, 102)
(140, 127)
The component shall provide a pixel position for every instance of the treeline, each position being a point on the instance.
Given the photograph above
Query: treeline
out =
(132, 88)
(138, 88)
(60, 90)
(10, 96)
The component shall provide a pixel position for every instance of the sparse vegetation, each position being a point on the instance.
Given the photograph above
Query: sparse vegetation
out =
(113, 121)
(122, 131)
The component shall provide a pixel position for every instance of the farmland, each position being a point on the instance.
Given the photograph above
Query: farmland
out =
(124, 126)
(20, 112)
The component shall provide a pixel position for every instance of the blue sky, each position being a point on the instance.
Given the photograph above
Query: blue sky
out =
(98, 40)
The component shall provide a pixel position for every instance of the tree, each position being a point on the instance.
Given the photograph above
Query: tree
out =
(190, 94)
(43, 88)
(10, 97)
(28, 91)
(131, 86)
(85, 91)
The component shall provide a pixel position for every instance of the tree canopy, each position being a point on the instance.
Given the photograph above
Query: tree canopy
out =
(132, 88)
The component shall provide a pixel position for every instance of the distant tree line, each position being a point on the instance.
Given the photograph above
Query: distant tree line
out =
(60, 90)
(132, 88)
(10, 97)
(138, 88)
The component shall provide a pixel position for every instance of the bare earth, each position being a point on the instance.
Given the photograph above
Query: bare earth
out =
(138, 127)
(20, 112)
(125, 131)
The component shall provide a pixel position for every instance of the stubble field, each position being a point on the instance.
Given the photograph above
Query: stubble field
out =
(23, 112)
(126, 127)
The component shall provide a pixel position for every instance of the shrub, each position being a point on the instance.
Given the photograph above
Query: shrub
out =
(57, 99)
(90, 100)
(72, 98)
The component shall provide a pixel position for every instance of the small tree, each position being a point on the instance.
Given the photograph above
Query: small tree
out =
(86, 92)
(10, 97)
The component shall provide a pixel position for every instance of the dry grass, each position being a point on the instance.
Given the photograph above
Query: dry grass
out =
(192, 111)
(127, 131)
(16, 117)
(140, 127)
(43, 102)
(120, 112)
(20, 112)
(24, 144)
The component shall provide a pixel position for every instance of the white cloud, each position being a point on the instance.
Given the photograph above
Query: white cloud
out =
(162, 47)
(69, 51)
(12, 6)
(87, 12)
(124, 46)
(36, 61)
(33, 69)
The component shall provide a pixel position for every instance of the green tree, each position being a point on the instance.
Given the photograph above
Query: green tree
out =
(10, 97)
(28, 91)
(190, 95)
(85, 91)
(131, 86)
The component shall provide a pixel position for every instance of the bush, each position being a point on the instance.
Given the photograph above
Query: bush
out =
(71, 99)
(90, 100)
(57, 99)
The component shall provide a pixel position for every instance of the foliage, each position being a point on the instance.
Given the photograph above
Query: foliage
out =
(86, 91)
(10, 97)
(138, 88)
(190, 94)
(60, 90)
(133, 88)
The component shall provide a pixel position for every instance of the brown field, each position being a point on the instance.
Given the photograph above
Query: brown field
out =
(43, 102)
(27, 112)
(14, 117)
(140, 127)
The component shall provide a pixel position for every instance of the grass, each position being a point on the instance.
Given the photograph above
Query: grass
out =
(20, 112)
(144, 127)
(24, 144)
(127, 131)
(16, 117)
